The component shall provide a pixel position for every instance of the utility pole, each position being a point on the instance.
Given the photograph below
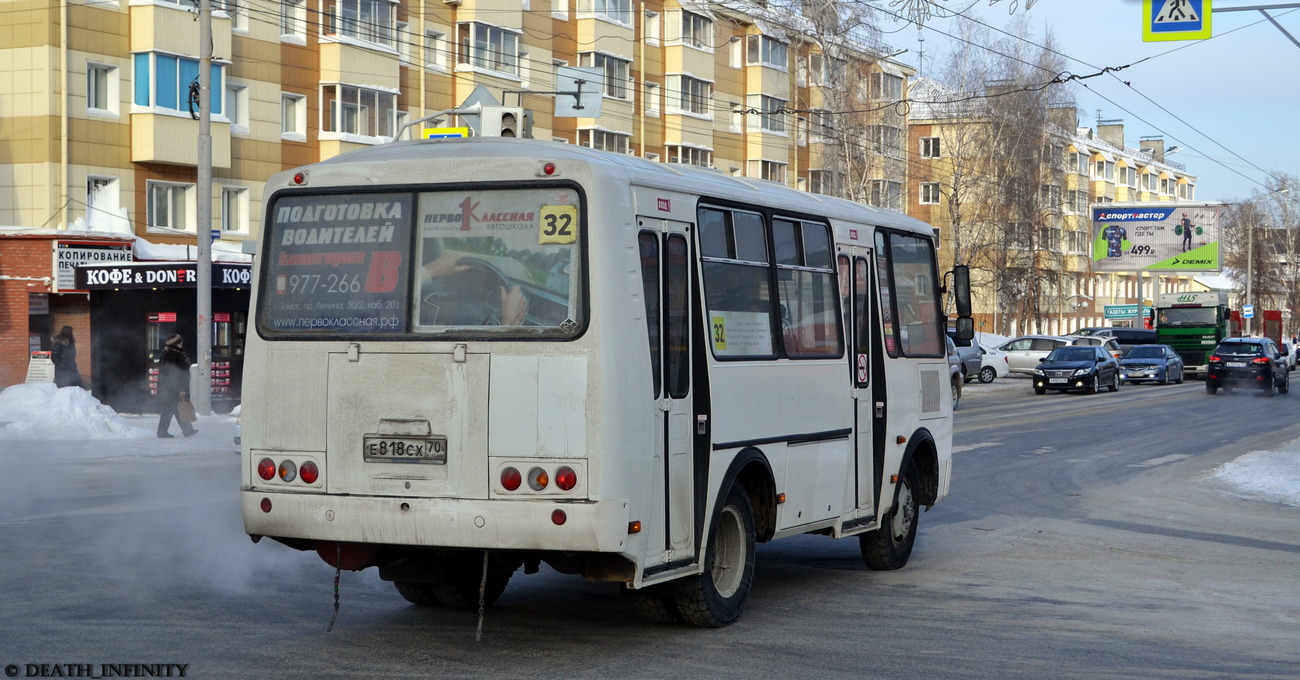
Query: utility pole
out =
(202, 396)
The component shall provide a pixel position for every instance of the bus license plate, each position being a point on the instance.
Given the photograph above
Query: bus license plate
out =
(404, 449)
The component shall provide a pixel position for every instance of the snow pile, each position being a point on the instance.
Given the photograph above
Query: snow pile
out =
(1266, 475)
(43, 411)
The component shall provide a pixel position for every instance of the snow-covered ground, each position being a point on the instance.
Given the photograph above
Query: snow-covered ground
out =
(42, 411)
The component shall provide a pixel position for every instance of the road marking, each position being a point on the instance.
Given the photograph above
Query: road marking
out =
(1161, 460)
(971, 447)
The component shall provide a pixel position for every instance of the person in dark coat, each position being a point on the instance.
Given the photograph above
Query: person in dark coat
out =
(64, 356)
(173, 383)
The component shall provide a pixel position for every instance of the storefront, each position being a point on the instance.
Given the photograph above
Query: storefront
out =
(135, 306)
(38, 294)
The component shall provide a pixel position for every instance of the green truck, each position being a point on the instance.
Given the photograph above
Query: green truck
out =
(1192, 324)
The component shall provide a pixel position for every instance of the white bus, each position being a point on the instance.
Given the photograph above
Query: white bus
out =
(478, 355)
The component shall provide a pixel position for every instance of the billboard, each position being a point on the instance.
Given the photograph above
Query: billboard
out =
(1155, 237)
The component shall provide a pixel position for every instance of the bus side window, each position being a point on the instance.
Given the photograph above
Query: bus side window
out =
(649, 246)
(677, 308)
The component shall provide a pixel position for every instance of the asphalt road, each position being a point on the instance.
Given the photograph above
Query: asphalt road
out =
(1083, 538)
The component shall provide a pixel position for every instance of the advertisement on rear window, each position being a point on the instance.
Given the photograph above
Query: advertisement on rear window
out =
(337, 263)
(498, 260)
(1155, 237)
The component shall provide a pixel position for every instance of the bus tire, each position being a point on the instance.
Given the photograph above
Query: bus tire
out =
(417, 593)
(464, 575)
(717, 596)
(656, 608)
(890, 546)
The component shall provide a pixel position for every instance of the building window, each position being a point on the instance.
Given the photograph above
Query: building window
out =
(766, 51)
(1050, 195)
(1105, 171)
(825, 71)
(697, 31)
(293, 19)
(690, 155)
(163, 81)
(232, 8)
(234, 210)
(617, 11)
(930, 193)
(888, 139)
(435, 50)
(886, 87)
(102, 88)
(374, 21)
(293, 117)
(693, 95)
(652, 99)
(768, 170)
(771, 116)
(887, 194)
(102, 200)
(821, 124)
(821, 181)
(1187, 192)
(237, 108)
(560, 10)
(1128, 176)
(604, 140)
(359, 111)
(651, 29)
(170, 206)
(488, 47)
(617, 72)
(929, 147)
(1081, 163)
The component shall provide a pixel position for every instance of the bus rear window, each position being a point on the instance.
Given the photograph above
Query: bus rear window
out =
(496, 261)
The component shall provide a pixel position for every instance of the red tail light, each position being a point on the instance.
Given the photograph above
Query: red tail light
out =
(266, 469)
(511, 479)
(1214, 357)
(566, 478)
(309, 472)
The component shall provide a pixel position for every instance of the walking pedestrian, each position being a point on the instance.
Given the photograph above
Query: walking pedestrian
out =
(173, 386)
(64, 357)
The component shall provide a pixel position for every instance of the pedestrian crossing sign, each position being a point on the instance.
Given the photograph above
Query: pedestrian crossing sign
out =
(1175, 20)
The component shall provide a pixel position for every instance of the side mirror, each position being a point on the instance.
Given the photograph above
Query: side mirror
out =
(961, 290)
(964, 327)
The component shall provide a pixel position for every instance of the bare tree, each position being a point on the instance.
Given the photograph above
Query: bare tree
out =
(1260, 239)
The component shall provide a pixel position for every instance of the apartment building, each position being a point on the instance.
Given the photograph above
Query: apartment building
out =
(1021, 216)
(100, 107)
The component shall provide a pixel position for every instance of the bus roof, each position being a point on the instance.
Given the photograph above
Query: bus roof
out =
(401, 160)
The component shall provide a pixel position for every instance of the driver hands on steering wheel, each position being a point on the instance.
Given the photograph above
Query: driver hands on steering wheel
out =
(514, 304)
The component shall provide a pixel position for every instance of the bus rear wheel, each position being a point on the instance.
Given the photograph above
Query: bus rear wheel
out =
(417, 593)
(463, 578)
(890, 546)
(717, 596)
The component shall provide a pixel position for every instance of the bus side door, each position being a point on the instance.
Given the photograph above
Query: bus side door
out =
(854, 274)
(666, 278)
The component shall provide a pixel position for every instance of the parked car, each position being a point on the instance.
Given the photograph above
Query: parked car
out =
(1024, 352)
(1151, 363)
(1108, 342)
(1077, 367)
(954, 373)
(969, 351)
(1131, 337)
(993, 364)
(1247, 362)
(1289, 355)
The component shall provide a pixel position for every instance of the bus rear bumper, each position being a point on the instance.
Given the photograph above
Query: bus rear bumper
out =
(588, 526)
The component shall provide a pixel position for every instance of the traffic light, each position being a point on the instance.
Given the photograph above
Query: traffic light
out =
(505, 121)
